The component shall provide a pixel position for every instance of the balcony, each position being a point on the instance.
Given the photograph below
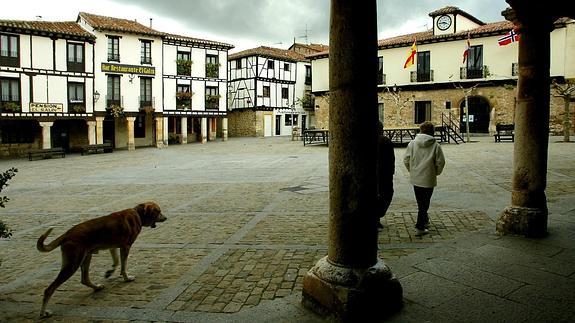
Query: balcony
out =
(183, 100)
(184, 67)
(146, 60)
(115, 105)
(213, 102)
(76, 67)
(147, 104)
(76, 107)
(9, 59)
(113, 57)
(466, 73)
(10, 104)
(212, 70)
(421, 76)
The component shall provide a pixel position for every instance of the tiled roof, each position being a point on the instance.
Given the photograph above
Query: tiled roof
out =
(455, 11)
(312, 47)
(198, 41)
(62, 28)
(277, 53)
(105, 23)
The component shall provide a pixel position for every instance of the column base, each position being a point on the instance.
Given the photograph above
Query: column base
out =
(131, 146)
(348, 293)
(530, 222)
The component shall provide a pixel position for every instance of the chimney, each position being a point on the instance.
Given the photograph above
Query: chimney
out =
(150, 22)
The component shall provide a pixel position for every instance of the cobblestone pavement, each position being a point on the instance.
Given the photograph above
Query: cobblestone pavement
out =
(246, 219)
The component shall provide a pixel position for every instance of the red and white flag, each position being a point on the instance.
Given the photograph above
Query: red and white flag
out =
(510, 37)
(466, 52)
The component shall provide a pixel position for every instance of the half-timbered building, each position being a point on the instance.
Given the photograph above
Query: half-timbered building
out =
(264, 94)
(46, 86)
(195, 89)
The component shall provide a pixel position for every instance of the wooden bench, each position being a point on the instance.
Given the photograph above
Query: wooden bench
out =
(504, 132)
(46, 153)
(97, 149)
(315, 136)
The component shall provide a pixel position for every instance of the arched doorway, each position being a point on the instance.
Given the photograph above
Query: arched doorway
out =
(478, 115)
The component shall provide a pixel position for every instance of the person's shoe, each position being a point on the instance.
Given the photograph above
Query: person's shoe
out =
(421, 232)
(379, 225)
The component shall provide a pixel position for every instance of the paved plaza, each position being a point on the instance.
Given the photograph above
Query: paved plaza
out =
(248, 217)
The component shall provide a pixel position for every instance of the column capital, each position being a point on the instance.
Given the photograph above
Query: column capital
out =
(46, 123)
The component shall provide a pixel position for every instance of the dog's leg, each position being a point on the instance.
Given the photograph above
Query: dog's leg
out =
(115, 262)
(86, 273)
(70, 263)
(124, 251)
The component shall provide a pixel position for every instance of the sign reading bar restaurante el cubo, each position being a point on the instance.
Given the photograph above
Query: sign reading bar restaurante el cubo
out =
(46, 107)
(128, 69)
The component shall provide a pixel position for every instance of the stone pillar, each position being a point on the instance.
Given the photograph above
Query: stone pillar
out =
(46, 134)
(91, 132)
(131, 141)
(527, 214)
(204, 126)
(225, 129)
(351, 282)
(184, 126)
(166, 128)
(159, 132)
(99, 130)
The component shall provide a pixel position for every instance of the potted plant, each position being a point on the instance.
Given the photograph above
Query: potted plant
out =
(11, 107)
(184, 100)
(116, 110)
(212, 69)
(148, 109)
(76, 108)
(184, 66)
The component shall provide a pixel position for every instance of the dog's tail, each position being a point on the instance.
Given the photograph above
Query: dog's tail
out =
(49, 247)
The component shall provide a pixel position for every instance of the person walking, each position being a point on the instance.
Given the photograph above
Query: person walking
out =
(425, 161)
(385, 171)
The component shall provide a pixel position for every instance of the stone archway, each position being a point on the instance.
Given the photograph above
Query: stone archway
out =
(479, 114)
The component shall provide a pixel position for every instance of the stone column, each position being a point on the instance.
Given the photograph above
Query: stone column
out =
(527, 214)
(204, 126)
(184, 129)
(131, 141)
(351, 281)
(159, 132)
(91, 132)
(166, 128)
(46, 134)
(225, 129)
(99, 130)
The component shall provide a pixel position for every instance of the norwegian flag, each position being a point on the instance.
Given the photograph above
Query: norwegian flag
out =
(510, 37)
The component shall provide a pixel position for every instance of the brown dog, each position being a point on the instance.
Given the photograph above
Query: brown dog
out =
(117, 230)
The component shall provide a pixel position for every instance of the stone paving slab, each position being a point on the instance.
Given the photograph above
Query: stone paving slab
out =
(247, 218)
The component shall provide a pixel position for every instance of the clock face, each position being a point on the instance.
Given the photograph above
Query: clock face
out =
(443, 22)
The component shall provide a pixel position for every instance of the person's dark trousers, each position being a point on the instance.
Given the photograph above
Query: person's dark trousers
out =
(423, 197)
(384, 198)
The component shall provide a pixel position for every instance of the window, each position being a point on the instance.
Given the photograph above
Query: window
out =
(447, 105)
(285, 93)
(145, 92)
(140, 126)
(183, 97)
(380, 76)
(422, 111)
(239, 63)
(212, 66)
(266, 91)
(75, 57)
(113, 96)
(184, 63)
(146, 51)
(423, 66)
(76, 97)
(20, 131)
(308, 75)
(113, 48)
(270, 64)
(212, 98)
(9, 51)
(475, 62)
(286, 67)
(10, 95)
(288, 119)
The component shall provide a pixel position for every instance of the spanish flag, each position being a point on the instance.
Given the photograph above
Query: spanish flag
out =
(466, 52)
(411, 59)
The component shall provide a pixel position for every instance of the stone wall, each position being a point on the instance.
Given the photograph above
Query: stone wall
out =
(501, 100)
(242, 123)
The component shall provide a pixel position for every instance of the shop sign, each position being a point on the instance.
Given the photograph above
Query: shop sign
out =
(46, 107)
(128, 69)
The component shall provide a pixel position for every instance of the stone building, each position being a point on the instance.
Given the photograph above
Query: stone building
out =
(437, 84)
(270, 91)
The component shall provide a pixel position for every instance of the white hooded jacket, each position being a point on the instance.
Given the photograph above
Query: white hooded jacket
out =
(424, 160)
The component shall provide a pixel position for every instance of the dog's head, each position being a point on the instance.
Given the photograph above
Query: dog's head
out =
(150, 213)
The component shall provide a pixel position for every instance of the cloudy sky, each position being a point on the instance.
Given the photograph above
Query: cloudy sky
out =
(248, 23)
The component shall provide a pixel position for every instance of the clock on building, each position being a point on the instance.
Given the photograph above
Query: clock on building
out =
(443, 22)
